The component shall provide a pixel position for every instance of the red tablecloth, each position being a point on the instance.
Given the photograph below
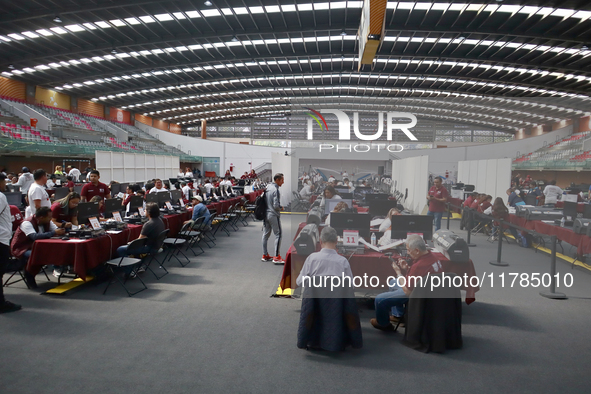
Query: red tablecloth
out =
(83, 255)
(371, 264)
(581, 241)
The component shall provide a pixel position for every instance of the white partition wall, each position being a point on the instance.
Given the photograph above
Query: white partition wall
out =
(491, 176)
(411, 176)
(135, 167)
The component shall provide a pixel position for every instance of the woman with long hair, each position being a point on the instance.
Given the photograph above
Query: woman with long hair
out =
(500, 211)
(65, 211)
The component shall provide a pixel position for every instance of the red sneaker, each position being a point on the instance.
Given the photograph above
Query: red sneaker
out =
(266, 257)
(278, 260)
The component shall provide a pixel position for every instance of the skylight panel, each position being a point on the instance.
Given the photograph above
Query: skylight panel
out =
(286, 8)
(101, 24)
(179, 15)
(164, 17)
(208, 13)
(157, 51)
(89, 26)
(44, 32)
(74, 28)
(193, 14)
(256, 10)
(117, 22)
(272, 8)
(305, 7)
(133, 21)
(147, 19)
(16, 36)
(30, 34)
(321, 6)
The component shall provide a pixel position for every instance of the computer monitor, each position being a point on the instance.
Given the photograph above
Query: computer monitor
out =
(380, 207)
(162, 198)
(403, 225)
(113, 205)
(123, 187)
(351, 221)
(587, 211)
(14, 198)
(167, 184)
(341, 189)
(135, 202)
(152, 197)
(78, 189)
(570, 209)
(60, 192)
(376, 196)
(332, 203)
(115, 189)
(175, 196)
(87, 210)
(346, 196)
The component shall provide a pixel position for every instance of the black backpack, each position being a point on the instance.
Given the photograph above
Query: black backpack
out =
(260, 206)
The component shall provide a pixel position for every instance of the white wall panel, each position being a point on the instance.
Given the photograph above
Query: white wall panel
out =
(492, 177)
(135, 167)
(411, 175)
(481, 179)
(503, 177)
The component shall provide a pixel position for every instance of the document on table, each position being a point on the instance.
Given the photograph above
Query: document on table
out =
(113, 231)
(76, 240)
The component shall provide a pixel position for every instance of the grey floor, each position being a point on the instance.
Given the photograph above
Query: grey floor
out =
(211, 327)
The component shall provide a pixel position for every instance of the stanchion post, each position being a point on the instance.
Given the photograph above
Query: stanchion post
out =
(552, 293)
(448, 214)
(498, 262)
(469, 228)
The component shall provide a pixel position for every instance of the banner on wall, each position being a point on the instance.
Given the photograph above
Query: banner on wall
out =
(52, 98)
(119, 115)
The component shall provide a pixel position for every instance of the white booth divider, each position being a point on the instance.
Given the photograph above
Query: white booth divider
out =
(411, 175)
(491, 176)
(135, 167)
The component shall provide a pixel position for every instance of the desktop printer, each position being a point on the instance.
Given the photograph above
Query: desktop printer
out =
(541, 213)
(451, 246)
(307, 239)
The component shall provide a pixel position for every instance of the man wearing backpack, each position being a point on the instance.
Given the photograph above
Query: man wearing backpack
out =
(272, 220)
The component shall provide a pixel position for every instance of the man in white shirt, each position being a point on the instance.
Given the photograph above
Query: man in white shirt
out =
(208, 186)
(327, 262)
(181, 174)
(75, 174)
(5, 235)
(24, 181)
(37, 195)
(306, 191)
(50, 185)
(345, 174)
(186, 191)
(552, 192)
(158, 187)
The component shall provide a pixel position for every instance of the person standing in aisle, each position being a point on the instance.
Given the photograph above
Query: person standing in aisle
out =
(437, 198)
(273, 220)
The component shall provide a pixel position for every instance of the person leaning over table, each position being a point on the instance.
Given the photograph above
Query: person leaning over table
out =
(150, 230)
(38, 226)
(424, 262)
(5, 234)
(64, 212)
(37, 195)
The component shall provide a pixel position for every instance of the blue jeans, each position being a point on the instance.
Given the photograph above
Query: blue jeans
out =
(122, 250)
(393, 300)
(437, 220)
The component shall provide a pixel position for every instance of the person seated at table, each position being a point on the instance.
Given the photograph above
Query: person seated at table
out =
(199, 210)
(186, 191)
(129, 192)
(39, 226)
(514, 198)
(64, 211)
(424, 262)
(330, 193)
(477, 201)
(101, 204)
(94, 187)
(69, 183)
(485, 204)
(252, 174)
(58, 170)
(500, 211)
(307, 191)
(386, 226)
(50, 184)
(150, 230)
(208, 186)
(158, 187)
(470, 199)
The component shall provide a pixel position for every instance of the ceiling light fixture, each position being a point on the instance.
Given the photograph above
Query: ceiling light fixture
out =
(114, 51)
(208, 3)
(57, 19)
(343, 32)
(11, 66)
(234, 38)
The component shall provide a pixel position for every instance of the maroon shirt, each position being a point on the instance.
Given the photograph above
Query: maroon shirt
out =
(57, 213)
(89, 190)
(468, 201)
(16, 217)
(69, 184)
(437, 206)
(428, 263)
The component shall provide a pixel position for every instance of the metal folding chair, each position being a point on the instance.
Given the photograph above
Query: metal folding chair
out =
(17, 266)
(176, 244)
(152, 255)
(129, 265)
(193, 235)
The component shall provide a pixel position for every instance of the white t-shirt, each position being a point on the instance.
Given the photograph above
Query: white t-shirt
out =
(552, 192)
(188, 174)
(5, 221)
(75, 174)
(208, 186)
(50, 185)
(36, 192)
(25, 181)
(154, 190)
(186, 190)
(28, 229)
(345, 175)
